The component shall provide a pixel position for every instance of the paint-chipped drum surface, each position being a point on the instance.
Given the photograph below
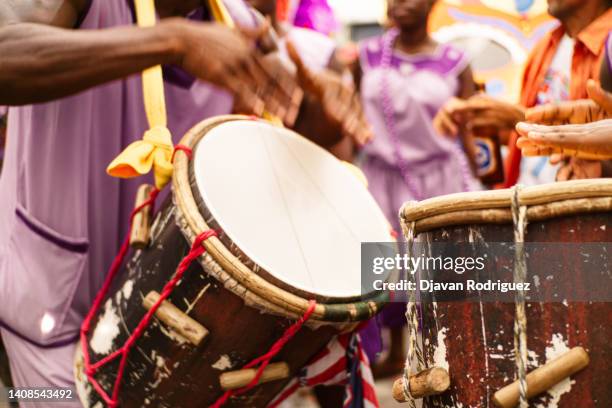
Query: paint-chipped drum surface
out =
(244, 308)
(474, 340)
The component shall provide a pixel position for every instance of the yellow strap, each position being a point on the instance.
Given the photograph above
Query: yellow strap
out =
(220, 13)
(155, 149)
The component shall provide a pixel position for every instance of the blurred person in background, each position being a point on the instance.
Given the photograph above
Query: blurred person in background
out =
(557, 70)
(580, 130)
(405, 77)
(317, 51)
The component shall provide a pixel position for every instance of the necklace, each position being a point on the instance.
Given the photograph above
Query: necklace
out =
(388, 113)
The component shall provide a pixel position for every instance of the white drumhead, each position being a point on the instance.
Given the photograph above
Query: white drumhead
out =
(289, 205)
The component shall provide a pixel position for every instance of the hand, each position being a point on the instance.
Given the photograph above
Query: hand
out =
(478, 111)
(447, 121)
(576, 169)
(588, 141)
(226, 58)
(598, 107)
(339, 102)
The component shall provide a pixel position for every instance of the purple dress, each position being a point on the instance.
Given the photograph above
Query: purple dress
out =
(407, 160)
(61, 217)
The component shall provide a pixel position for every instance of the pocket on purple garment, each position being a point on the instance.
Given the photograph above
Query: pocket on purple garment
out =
(43, 269)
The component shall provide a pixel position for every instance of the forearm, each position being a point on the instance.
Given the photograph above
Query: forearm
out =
(313, 123)
(41, 63)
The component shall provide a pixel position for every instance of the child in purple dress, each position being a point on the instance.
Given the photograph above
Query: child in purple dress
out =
(405, 77)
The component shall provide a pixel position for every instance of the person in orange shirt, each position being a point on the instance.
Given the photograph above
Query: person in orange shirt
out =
(557, 70)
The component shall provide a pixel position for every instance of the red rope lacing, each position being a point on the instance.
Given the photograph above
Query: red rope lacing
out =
(265, 359)
(91, 368)
(197, 249)
(184, 149)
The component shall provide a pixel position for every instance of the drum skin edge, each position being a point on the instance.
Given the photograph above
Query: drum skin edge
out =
(192, 223)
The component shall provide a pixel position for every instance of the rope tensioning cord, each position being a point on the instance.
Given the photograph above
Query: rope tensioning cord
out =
(197, 249)
(414, 347)
(519, 218)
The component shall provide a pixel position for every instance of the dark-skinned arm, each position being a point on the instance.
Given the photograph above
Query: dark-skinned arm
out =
(44, 59)
(41, 63)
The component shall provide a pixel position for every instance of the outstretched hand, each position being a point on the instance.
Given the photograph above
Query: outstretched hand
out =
(598, 107)
(592, 141)
(339, 101)
(477, 111)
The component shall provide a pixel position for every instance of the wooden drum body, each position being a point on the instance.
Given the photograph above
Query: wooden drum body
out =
(233, 304)
(474, 340)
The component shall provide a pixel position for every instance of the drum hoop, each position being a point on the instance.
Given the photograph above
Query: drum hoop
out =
(493, 207)
(264, 293)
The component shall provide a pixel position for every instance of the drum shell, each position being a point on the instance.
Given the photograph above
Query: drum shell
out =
(160, 371)
(477, 338)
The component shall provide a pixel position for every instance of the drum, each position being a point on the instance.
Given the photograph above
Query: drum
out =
(290, 219)
(474, 340)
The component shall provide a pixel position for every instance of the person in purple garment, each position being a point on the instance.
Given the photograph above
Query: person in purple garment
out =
(405, 77)
(68, 74)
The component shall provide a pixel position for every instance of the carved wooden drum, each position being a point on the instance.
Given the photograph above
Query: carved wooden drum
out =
(290, 220)
(474, 339)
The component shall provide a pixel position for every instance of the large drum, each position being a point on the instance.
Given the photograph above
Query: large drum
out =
(474, 339)
(290, 220)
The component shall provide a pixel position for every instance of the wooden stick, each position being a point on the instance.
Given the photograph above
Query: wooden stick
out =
(544, 377)
(141, 227)
(240, 378)
(432, 381)
(174, 318)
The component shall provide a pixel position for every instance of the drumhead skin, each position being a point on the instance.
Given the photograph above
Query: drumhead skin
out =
(289, 205)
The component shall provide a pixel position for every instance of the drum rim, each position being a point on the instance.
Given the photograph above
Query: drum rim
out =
(543, 202)
(193, 224)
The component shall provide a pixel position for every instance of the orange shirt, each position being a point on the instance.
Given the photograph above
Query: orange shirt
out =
(586, 62)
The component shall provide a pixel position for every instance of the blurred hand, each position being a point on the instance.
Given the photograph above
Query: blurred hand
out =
(587, 141)
(478, 111)
(447, 121)
(598, 107)
(576, 169)
(227, 58)
(339, 101)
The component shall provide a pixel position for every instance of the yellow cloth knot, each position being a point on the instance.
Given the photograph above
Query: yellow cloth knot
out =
(153, 151)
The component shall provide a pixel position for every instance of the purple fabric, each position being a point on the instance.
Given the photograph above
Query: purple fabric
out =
(316, 15)
(55, 192)
(419, 86)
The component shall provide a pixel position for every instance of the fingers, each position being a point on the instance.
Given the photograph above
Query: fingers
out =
(556, 158)
(573, 112)
(444, 124)
(256, 33)
(601, 97)
(362, 132)
(547, 114)
(565, 172)
(306, 77)
(281, 93)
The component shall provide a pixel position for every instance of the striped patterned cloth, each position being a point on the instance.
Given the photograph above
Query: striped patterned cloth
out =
(342, 362)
